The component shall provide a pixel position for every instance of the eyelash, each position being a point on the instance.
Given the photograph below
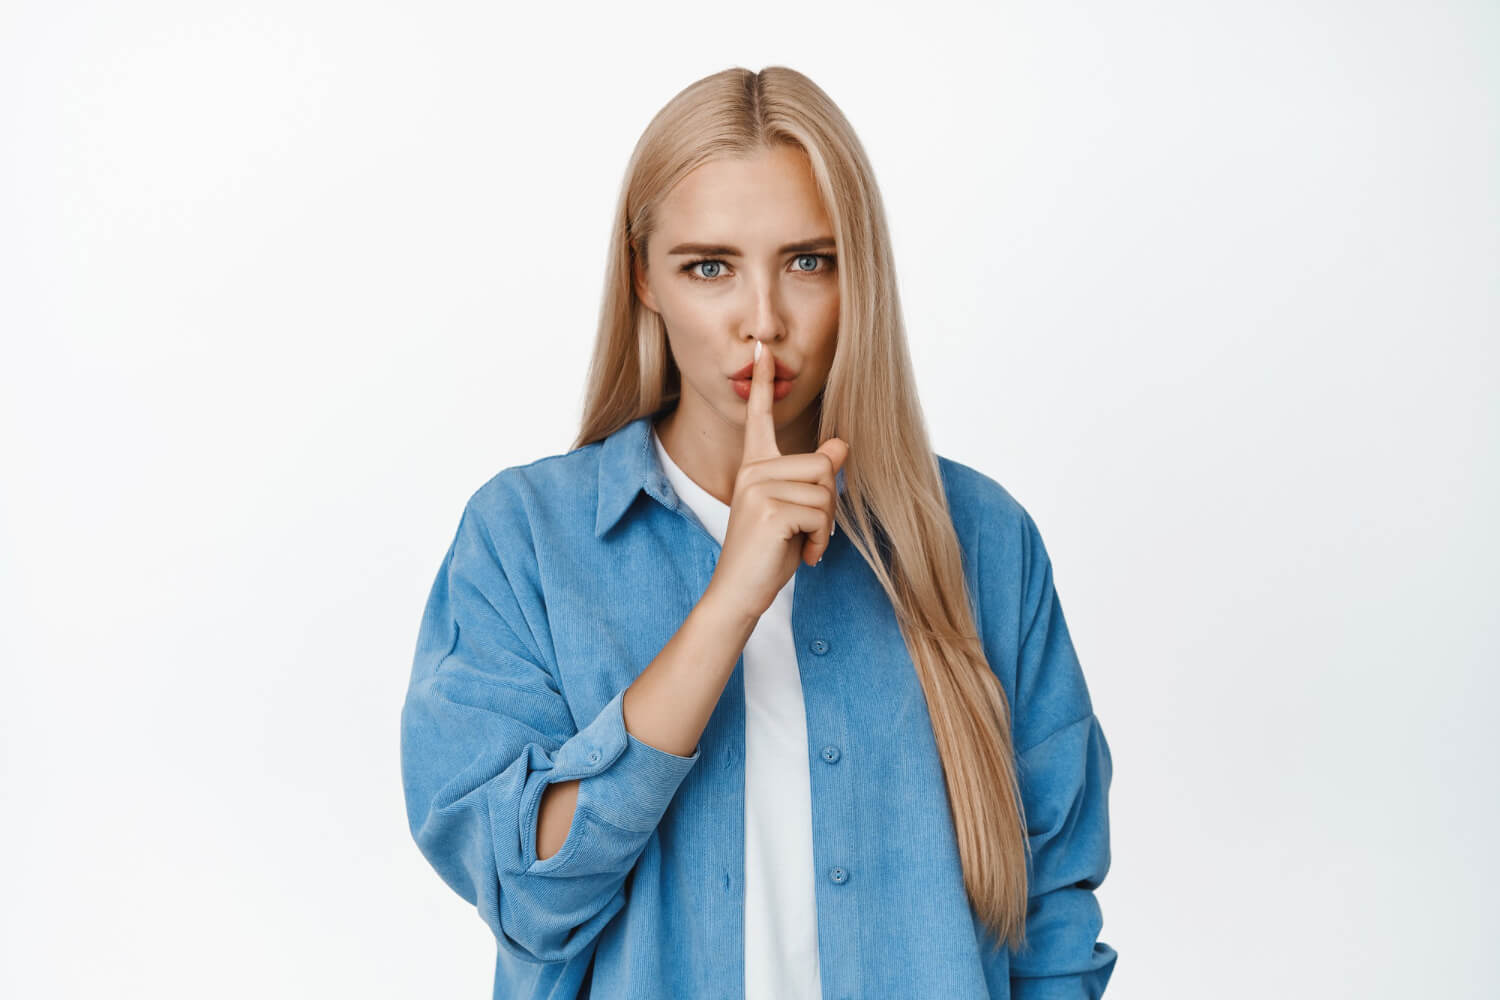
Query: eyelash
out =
(688, 267)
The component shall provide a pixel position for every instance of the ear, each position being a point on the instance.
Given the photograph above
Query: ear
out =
(641, 281)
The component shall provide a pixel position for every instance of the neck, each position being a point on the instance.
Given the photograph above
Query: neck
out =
(709, 449)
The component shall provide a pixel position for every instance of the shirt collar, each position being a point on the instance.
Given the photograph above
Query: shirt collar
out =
(628, 464)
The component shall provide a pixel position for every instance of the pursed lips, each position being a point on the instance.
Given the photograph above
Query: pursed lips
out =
(783, 373)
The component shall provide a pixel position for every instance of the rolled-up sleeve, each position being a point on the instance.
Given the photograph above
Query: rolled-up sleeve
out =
(485, 729)
(1064, 770)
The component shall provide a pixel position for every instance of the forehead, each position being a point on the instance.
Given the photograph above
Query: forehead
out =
(771, 195)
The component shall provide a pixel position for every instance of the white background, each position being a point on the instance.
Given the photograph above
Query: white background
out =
(1210, 287)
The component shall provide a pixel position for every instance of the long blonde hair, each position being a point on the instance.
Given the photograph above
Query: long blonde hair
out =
(893, 506)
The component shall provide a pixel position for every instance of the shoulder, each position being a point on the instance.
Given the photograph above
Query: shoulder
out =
(521, 505)
(998, 535)
(979, 504)
(520, 493)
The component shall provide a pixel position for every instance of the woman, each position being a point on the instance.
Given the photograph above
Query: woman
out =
(750, 693)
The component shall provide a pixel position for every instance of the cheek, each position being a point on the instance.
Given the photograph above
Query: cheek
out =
(817, 307)
(831, 329)
(691, 312)
(831, 319)
(831, 301)
(691, 346)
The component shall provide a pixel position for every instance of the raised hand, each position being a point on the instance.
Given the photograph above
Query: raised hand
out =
(782, 507)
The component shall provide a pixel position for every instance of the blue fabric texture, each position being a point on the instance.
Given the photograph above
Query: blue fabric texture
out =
(563, 581)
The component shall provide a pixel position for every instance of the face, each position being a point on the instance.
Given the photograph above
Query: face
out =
(744, 251)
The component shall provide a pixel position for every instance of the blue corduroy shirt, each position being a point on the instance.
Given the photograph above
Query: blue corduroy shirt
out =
(564, 580)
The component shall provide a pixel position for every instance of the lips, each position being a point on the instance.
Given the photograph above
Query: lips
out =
(783, 373)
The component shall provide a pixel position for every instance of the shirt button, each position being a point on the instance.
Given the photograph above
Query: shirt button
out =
(830, 754)
(838, 875)
(593, 756)
(729, 757)
(819, 646)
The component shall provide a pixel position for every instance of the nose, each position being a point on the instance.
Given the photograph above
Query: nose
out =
(763, 320)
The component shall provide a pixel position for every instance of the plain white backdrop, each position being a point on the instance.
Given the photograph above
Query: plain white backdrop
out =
(1211, 288)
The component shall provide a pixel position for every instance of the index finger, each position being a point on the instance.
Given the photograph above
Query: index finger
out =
(760, 425)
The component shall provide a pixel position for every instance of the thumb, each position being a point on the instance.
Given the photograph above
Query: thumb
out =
(836, 449)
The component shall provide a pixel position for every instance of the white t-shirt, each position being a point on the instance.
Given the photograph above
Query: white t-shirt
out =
(781, 913)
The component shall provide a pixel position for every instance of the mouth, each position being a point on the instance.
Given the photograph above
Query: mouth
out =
(783, 373)
(780, 389)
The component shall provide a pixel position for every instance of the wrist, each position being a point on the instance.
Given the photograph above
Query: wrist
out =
(725, 614)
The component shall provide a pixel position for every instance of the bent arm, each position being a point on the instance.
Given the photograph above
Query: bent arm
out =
(1064, 769)
(486, 733)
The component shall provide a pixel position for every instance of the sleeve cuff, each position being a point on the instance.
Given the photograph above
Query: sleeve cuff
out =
(1087, 986)
(621, 780)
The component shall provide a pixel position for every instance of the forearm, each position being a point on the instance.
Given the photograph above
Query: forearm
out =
(668, 706)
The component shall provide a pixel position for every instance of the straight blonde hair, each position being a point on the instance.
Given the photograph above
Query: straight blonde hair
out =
(893, 506)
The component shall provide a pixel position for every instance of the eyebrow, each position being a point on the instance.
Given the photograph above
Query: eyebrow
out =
(805, 246)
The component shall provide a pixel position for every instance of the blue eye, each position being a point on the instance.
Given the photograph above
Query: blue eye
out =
(690, 268)
(710, 262)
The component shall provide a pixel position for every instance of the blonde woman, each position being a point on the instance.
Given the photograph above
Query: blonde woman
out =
(750, 693)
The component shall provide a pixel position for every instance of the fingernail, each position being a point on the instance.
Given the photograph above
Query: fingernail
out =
(757, 350)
